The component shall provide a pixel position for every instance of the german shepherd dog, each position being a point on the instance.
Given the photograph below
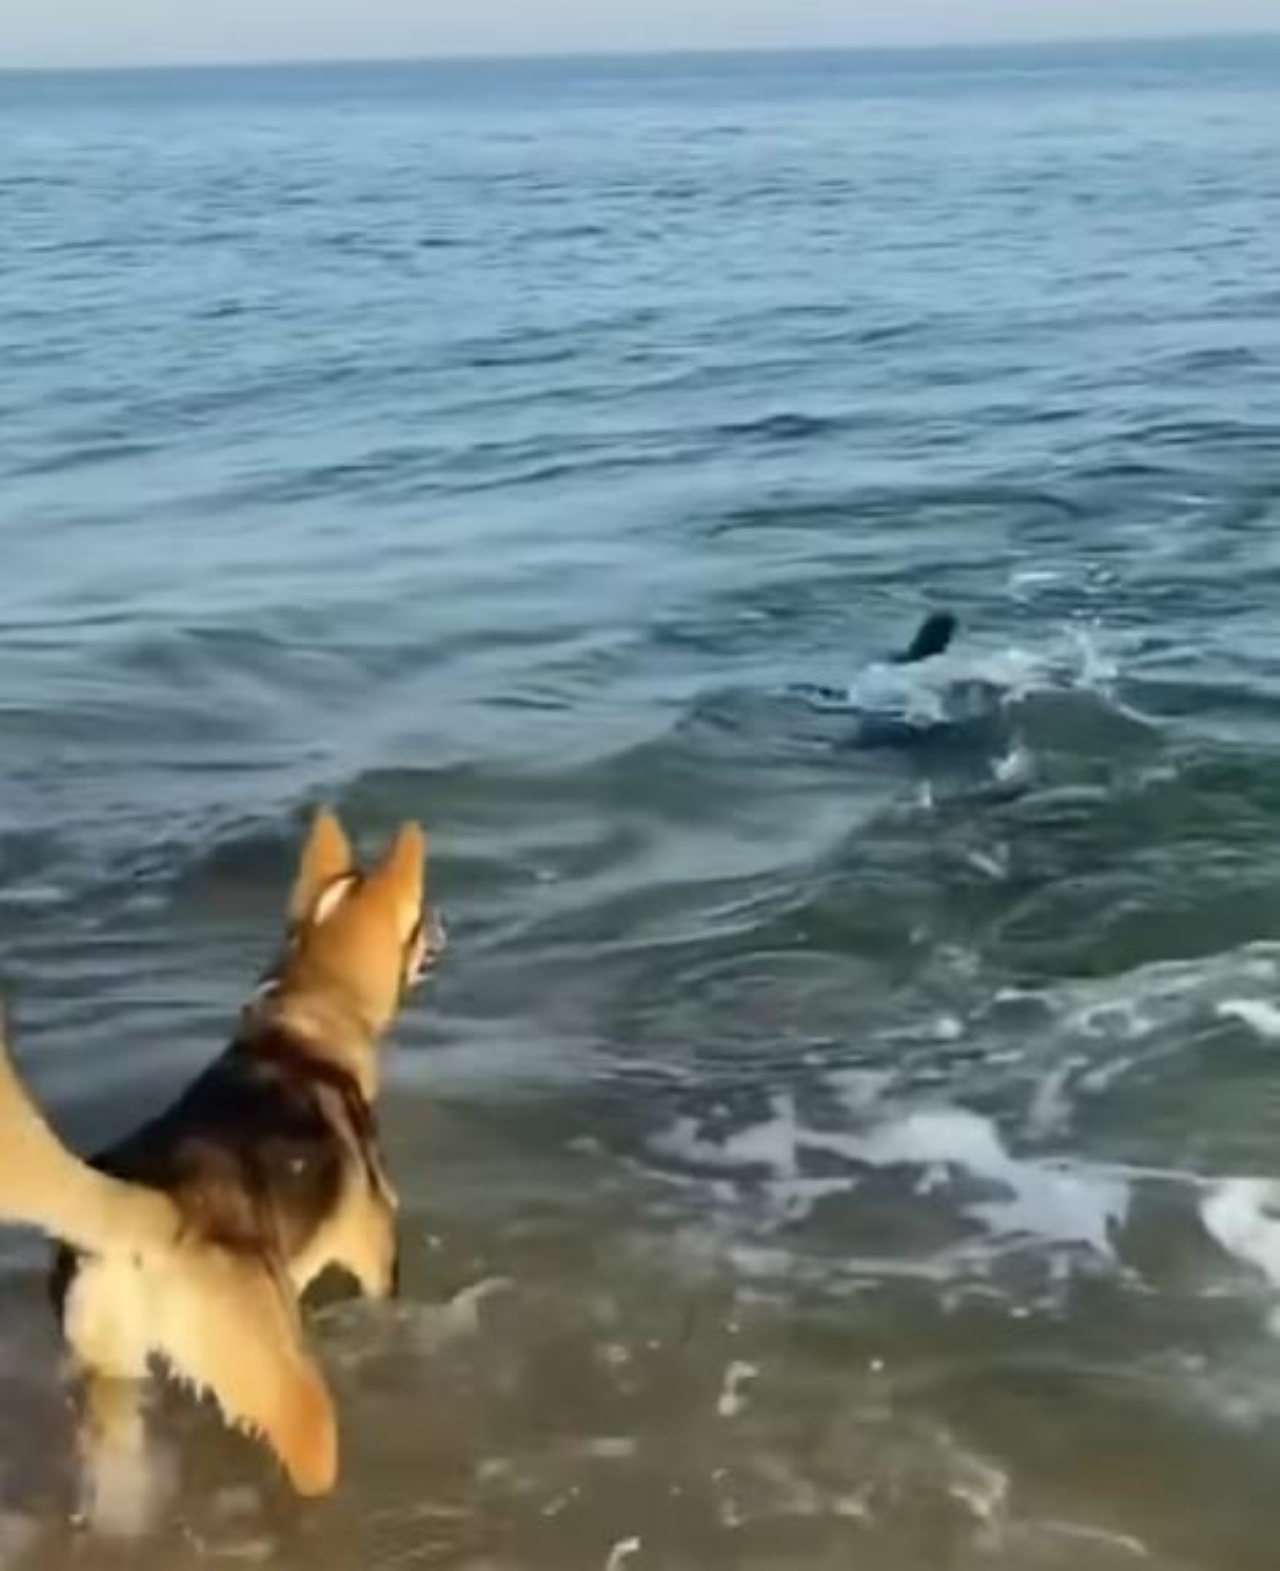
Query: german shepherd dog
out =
(193, 1239)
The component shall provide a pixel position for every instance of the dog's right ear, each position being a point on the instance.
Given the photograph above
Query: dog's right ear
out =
(402, 876)
(326, 857)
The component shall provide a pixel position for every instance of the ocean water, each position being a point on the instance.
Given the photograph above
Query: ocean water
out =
(811, 1157)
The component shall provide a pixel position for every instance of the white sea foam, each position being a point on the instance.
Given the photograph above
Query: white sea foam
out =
(950, 1150)
(732, 1398)
(622, 1553)
(1243, 1214)
(1056, 1203)
(1093, 1034)
(1012, 1183)
(1261, 1017)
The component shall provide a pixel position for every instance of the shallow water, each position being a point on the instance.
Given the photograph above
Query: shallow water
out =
(811, 1157)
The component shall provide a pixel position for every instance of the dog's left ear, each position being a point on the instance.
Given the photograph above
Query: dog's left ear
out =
(326, 857)
(402, 877)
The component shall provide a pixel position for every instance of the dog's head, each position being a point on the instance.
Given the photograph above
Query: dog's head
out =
(363, 935)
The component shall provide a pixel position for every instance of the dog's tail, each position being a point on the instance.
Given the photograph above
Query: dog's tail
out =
(44, 1185)
(933, 637)
(225, 1325)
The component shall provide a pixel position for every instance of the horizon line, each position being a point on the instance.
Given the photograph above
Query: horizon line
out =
(1005, 44)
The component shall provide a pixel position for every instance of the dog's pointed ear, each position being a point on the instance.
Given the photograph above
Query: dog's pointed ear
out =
(326, 856)
(402, 876)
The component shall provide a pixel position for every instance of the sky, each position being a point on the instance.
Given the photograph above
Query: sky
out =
(129, 32)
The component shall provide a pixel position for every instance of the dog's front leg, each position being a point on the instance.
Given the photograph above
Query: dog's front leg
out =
(368, 1245)
(393, 1284)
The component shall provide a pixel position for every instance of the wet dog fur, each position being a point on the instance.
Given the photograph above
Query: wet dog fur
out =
(192, 1240)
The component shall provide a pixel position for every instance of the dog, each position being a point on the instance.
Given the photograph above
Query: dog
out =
(193, 1239)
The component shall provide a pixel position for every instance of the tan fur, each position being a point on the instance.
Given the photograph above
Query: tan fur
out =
(221, 1324)
(43, 1185)
(180, 1267)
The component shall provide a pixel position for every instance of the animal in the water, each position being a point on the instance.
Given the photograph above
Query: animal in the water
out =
(933, 637)
(192, 1240)
(883, 715)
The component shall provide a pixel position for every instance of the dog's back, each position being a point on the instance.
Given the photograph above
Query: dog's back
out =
(254, 1154)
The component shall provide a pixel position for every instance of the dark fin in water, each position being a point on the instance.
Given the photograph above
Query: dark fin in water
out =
(932, 638)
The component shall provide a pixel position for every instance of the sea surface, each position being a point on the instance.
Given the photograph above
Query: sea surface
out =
(812, 1157)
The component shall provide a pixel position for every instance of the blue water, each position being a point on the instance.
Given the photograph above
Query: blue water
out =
(496, 444)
